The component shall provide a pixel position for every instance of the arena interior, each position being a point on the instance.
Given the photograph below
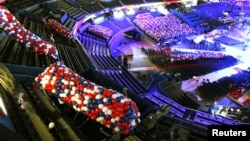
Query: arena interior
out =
(123, 70)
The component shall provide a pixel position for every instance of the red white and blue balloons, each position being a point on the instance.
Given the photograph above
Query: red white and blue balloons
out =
(106, 106)
(100, 31)
(59, 28)
(15, 30)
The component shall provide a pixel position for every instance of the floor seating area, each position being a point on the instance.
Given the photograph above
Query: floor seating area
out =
(189, 64)
(170, 23)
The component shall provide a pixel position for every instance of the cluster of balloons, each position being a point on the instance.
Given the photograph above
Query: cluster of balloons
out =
(16, 31)
(59, 28)
(106, 106)
(101, 31)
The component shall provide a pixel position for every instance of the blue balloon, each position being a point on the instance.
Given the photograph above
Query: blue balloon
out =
(108, 117)
(98, 101)
(113, 125)
(101, 89)
(101, 114)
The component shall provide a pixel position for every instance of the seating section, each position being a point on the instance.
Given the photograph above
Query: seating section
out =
(73, 3)
(202, 66)
(130, 2)
(189, 64)
(214, 10)
(126, 79)
(74, 58)
(204, 45)
(212, 91)
(16, 6)
(210, 13)
(110, 4)
(162, 28)
(111, 26)
(119, 24)
(188, 100)
(21, 55)
(193, 20)
(170, 86)
(227, 40)
(90, 6)
(74, 14)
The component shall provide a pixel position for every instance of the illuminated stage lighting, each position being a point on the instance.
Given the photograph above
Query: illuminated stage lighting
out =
(118, 14)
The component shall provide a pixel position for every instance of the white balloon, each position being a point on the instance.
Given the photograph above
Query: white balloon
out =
(51, 125)
(117, 129)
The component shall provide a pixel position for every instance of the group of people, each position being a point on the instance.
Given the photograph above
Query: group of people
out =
(162, 28)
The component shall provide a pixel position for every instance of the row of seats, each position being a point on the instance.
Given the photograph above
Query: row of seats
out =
(123, 23)
(181, 62)
(108, 24)
(48, 115)
(125, 79)
(227, 40)
(13, 52)
(97, 50)
(193, 20)
(73, 3)
(130, 2)
(187, 100)
(74, 58)
(236, 81)
(170, 86)
(204, 45)
(94, 46)
(90, 6)
(21, 55)
(202, 66)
